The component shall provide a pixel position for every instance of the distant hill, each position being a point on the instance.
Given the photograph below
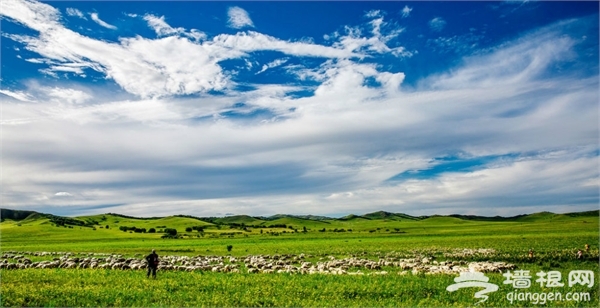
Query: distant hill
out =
(239, 219)
(15, 214)
(484, 218)
(27, 216)
(388, 215)
(527, 217)
(307, 217)
(595, 213)
(352, 217)
(296, 220)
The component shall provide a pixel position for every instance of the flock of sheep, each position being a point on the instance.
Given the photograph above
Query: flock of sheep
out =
(293, 264)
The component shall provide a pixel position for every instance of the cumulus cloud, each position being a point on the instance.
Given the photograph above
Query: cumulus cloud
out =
(406, 11)
(437, 24)
(239, 18)
(99, 21)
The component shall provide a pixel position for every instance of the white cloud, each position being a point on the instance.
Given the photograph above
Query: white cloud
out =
(161, 28)
(437, 24)
(101, 22)
(382, 33)
(373, 14)
(272, 64)
(63, 194)
(69, 96)
(253, 41)
(18, 95)
(170, 65)
(75, 12)
(35, 15)
(167, 66)
(406, 11)
(239, 18)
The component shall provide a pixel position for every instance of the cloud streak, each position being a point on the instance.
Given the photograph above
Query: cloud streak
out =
(102, 23)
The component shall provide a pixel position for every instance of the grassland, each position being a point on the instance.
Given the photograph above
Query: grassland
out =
(555, 239)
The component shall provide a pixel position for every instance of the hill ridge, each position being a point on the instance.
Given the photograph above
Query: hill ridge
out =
(19, 215)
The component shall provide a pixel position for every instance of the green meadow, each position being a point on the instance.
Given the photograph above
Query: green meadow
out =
(554, 238)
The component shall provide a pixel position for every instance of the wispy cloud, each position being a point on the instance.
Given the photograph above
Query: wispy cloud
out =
(75, 12)
(273, 64)
(161, 28)
(18, 95)
(99, 21)
(406, 11)
(355, 41)
(373, 13)
(461, 44)
(239, 18)
(437, 24)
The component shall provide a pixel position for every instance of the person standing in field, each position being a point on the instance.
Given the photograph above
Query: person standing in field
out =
(152, 260)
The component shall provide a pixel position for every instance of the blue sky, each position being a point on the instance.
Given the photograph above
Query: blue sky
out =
(326, 108)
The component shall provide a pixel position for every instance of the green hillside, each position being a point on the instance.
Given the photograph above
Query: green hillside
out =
(239, 219)
(116, 225)
(541, 216)
(297, 223)
(443, 220)
(15, 214)
(388, 215)
(307, 217)
(353, 217)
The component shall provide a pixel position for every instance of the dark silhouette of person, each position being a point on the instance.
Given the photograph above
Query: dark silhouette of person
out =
(152, 260)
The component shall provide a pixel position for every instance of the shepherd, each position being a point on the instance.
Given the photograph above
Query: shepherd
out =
(152, 260)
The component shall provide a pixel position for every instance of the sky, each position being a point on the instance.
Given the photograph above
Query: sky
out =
(324, 108)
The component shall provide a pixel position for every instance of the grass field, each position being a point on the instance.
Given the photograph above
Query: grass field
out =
(554, 239)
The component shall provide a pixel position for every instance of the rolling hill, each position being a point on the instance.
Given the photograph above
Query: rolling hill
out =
(297, 221)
